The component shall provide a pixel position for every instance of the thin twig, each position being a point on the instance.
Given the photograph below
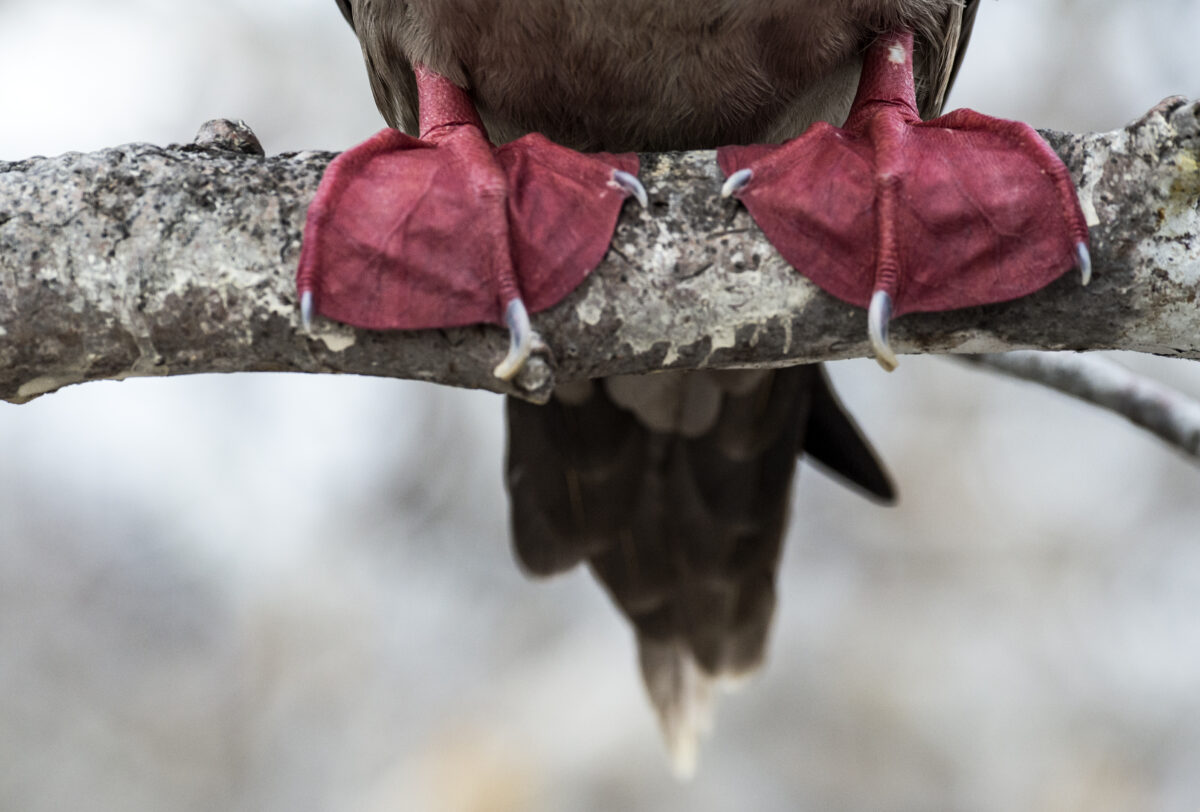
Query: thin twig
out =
(1160, 409)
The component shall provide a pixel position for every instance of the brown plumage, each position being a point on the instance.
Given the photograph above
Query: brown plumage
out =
(630, 75)
(672, 487)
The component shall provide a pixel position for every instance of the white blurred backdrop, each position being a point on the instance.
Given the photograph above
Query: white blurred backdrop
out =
(279, 592)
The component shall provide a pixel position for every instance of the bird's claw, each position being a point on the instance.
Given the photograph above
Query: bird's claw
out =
(521, 340)
(1084, 258)
(631, 185)
(878, 316)
(306, 309)
(736, 182)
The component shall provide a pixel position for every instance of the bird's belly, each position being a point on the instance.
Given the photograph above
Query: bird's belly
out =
(650, 92)
(643, 74)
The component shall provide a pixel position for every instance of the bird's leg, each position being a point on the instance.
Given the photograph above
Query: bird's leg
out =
(899, 215)
(448, 119)
(447, 229)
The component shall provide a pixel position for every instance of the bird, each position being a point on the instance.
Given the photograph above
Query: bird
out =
(673, 487)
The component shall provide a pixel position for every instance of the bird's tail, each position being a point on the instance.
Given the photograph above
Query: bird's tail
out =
(682, 529)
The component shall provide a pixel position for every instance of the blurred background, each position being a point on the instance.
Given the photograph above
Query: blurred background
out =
(282, 592)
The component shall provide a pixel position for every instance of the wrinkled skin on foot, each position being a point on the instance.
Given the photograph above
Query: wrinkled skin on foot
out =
(958, 211)
(447, 229)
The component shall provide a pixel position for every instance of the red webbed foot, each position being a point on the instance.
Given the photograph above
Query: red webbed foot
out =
(449, 230)
(902, 215)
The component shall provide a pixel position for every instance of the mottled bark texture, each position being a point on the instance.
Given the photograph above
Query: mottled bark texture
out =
(145, 260)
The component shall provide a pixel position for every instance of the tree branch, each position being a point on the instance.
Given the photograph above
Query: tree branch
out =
(144, 260)
(1163, 411)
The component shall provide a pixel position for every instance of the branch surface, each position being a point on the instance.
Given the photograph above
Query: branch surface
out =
(144, 260)
(1171, 415)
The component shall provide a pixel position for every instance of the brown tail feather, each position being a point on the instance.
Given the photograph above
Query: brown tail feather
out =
(683, 532)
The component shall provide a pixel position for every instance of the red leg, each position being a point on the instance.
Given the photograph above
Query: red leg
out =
(903, 215)
(447, 229)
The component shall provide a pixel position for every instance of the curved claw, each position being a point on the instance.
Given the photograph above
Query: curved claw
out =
(736, 182)
(306, 309)
(878, 316)
(1084, 258)
(521, 336)
(631, 185)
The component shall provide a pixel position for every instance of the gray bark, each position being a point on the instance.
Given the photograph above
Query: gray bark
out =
(1165, 412)
(144, 260)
